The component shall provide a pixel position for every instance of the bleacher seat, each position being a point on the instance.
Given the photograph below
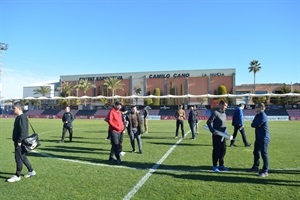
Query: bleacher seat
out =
(50, 112)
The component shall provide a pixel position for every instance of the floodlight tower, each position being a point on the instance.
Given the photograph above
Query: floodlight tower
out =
(3, 47)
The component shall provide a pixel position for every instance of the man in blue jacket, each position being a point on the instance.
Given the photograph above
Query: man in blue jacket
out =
(262, 140)
(238, 123)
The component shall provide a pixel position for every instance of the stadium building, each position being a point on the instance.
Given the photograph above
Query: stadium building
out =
(180, 82)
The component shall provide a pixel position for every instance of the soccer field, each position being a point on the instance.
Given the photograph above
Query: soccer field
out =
(169, 168)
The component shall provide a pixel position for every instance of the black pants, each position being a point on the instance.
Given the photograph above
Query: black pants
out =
(242, 131)
(179, 123)
(219, 150)
(116, 140)
(70, 130)
(21, 158)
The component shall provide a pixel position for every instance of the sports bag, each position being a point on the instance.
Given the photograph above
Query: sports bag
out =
(31, 142)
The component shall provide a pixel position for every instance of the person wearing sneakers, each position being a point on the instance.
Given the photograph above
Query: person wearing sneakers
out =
(116, 128)
(217, 121)
(192, 121)
(20, 131)
(180, 117)
(262, 140)
(238, 124)
(67, 120)
(135, 125)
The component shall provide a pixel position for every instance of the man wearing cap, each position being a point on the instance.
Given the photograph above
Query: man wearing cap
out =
(238, 123)
(116, 127)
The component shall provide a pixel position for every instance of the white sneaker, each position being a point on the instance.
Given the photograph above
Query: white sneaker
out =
(122, 153)
(29, 174)
(14, 179)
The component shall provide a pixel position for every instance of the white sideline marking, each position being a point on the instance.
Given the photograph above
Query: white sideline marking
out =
(151, 171)
(83, 162)
(162, 170)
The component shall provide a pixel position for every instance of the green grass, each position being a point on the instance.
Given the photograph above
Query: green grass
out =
(80, 170)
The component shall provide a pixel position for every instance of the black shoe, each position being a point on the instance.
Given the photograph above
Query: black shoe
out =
(232, 145)
(118, 161)
(140, 152)
(111, 159)
(248, 145)
(253, 169)
(133, 151)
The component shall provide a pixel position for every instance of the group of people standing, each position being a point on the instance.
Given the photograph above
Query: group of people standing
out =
(119, 119)
(217, 122)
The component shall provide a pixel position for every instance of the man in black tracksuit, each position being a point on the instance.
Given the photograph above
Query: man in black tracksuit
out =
(20, 132)
(67, 120)
(217, 121)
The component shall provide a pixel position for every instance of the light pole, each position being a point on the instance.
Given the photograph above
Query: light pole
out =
(3, 47)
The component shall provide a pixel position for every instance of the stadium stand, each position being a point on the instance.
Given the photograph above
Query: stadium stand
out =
(276, 112)
(34, 113)
(85, 112)
(293, 112)
(60, 114)
(50, 112)
(101, 113)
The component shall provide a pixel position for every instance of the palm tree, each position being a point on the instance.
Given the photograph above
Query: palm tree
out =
(84, 86)
(113, 84)
(66, 89)
(42, 90)
(254, 67)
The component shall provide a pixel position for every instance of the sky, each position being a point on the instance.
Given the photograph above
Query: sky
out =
(50, 38)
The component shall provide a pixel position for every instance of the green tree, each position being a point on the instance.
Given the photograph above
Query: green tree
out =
(43, 91)
(84, 85)
(254, 67)
(113, 84)
(66, 89)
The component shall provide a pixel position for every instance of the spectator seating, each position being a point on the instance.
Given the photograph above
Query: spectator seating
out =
(33, 113)
(101, 113)
(293, 112)
(85, 113)
(276, 112)
(50, 112)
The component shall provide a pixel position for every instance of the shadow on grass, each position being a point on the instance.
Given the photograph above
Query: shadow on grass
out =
(5, 175)
(180, 144)
(155, 137)
(67, 141)
(229, 178)
(284, 171)
(72, 149)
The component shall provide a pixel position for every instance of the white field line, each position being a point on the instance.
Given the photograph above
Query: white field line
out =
(151, 171)
(160, 170)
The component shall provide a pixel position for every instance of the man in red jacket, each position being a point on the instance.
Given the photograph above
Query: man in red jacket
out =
(116, 127)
